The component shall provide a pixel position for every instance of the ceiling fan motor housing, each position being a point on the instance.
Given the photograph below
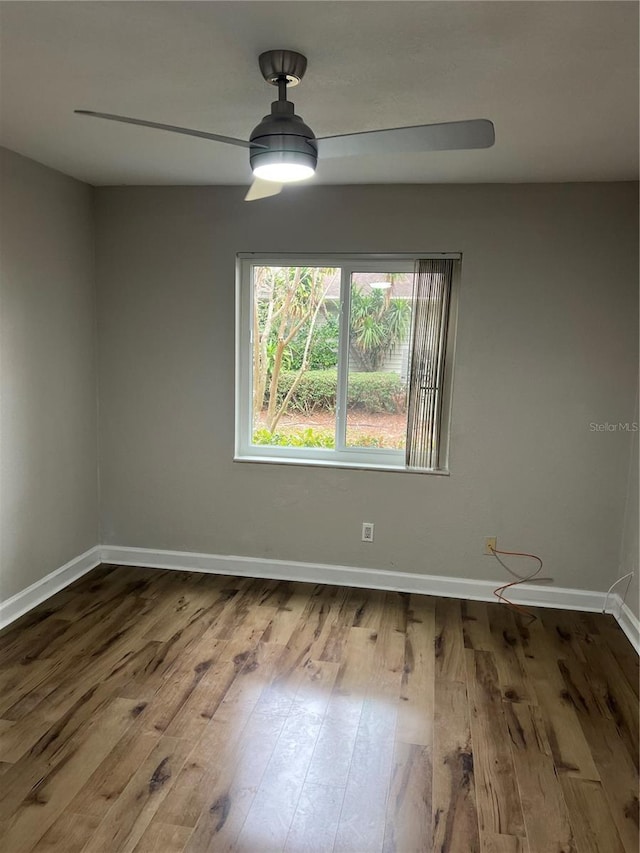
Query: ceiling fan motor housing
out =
(287, 139)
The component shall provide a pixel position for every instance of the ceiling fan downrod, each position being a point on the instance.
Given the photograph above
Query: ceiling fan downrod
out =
(282, 88)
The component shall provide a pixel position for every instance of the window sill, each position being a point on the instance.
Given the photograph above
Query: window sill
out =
(322, 463)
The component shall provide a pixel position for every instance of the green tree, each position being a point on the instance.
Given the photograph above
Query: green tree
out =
(378, 323)
(286, 301)
(323, 352)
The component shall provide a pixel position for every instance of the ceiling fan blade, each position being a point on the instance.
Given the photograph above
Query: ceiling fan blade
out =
(230, 140)
(448, 136)
(262, 189)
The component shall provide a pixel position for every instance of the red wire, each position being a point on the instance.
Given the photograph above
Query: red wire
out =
(498, 592)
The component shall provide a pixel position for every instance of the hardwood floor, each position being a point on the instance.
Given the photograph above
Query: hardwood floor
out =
(143, 710)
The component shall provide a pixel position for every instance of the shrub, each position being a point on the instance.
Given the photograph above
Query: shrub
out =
(295, 438)
(376, 392)
(373, 392)
(310, 437)
(316, 390)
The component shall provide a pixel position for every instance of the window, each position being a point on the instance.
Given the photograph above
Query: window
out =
(345, 360)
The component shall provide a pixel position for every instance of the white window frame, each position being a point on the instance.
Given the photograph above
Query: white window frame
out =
(342, 456)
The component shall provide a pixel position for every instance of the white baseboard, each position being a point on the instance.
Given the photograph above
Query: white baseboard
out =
(256, 567)
(41, 590)
(535, 595)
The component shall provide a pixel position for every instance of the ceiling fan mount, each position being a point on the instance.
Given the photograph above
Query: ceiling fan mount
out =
(283, 149)
(277, 65)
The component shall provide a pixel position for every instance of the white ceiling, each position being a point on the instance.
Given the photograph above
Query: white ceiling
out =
(558, 79)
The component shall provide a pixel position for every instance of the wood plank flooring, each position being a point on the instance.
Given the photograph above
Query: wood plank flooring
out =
(143, 710)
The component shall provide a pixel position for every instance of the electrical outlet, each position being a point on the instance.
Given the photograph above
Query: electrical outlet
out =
(490, 545)
(367, 531)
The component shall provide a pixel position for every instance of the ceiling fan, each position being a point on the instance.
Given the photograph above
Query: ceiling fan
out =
(283, 149)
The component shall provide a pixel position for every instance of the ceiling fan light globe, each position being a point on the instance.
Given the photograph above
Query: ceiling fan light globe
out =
(285, 149)
(283, 173)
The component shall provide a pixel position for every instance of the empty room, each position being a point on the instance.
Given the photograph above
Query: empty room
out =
(319, 426)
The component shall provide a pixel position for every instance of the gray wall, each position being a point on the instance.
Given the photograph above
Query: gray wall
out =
(48, 458)
(547, 344)
(630, 544)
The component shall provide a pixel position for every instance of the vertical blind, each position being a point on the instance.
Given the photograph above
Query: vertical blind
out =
(431, 301)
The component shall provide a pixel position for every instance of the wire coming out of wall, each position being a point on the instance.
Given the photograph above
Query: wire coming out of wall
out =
(534, 577)
(615, 583)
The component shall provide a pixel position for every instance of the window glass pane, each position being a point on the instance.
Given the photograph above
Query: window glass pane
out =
(379, 332)
(295, 355)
